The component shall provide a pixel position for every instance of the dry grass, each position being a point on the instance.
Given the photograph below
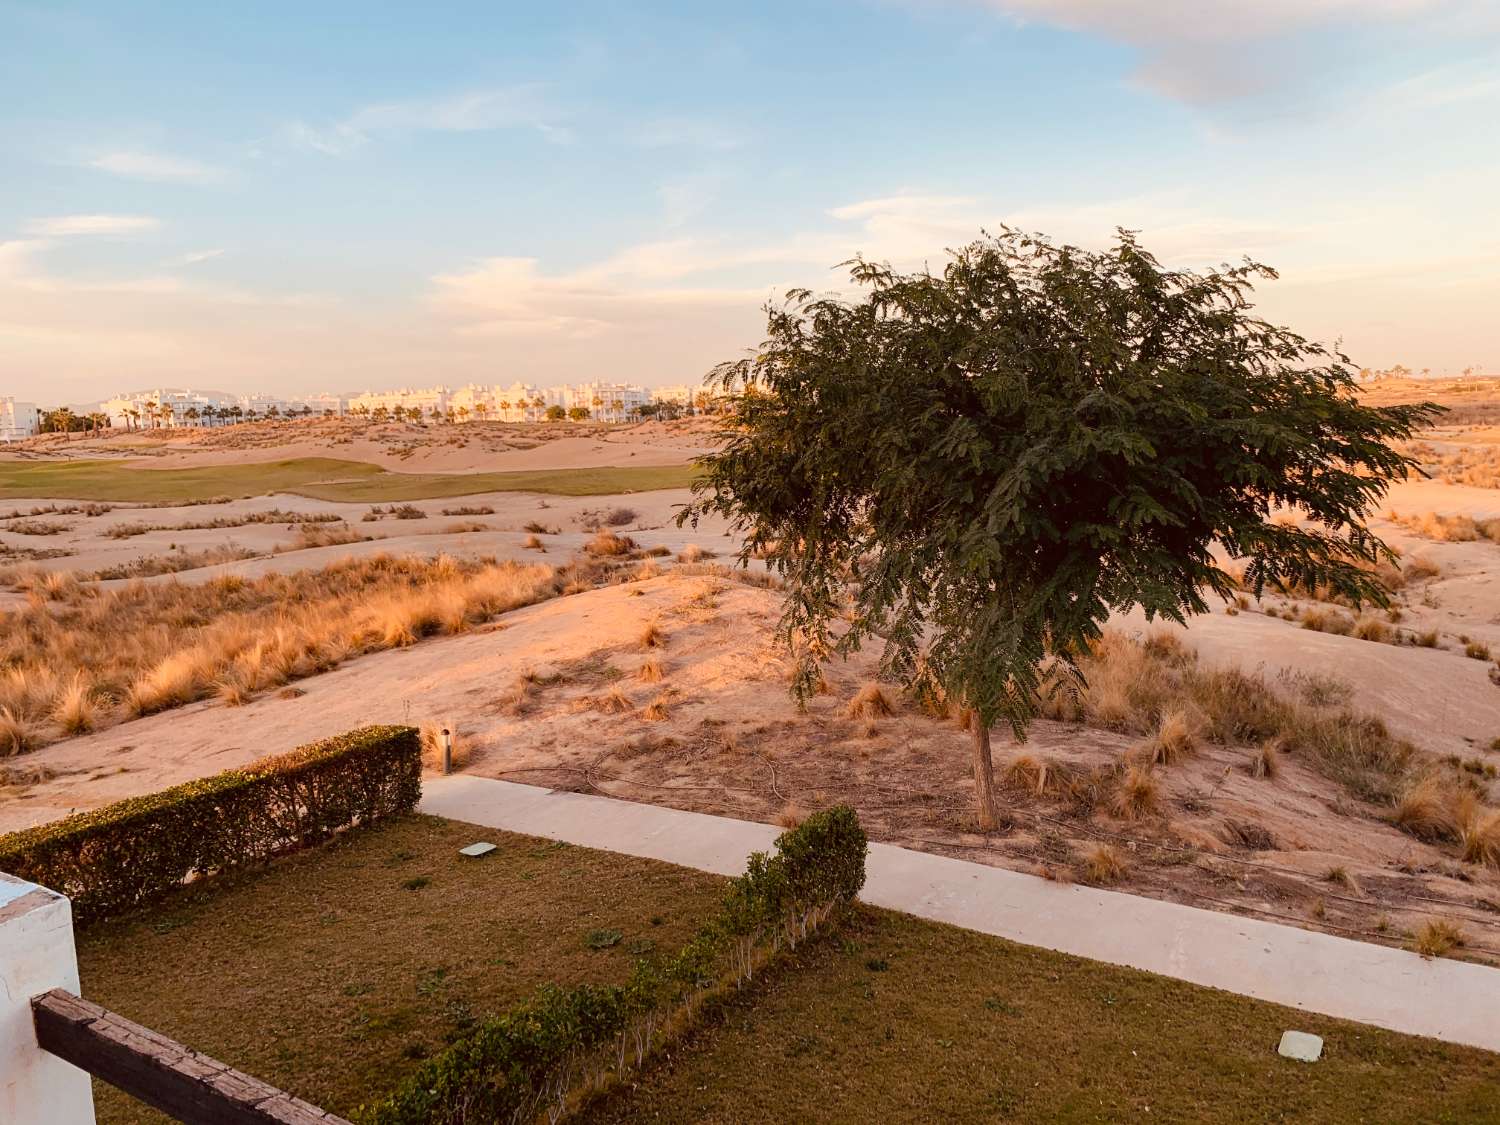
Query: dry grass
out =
(311, 535)
(1437, 937)
(693, 553)
(1477, 650)
(1265, 763)
(1139, 795)
(608, 544)
(1479, 835)
(145, 648)
(1421, 568)
(791, 815)
(614, 702)
(532, 543)
(1322, 619)
(652, 636)
(871, 702)
(17, 733)
(650, 671)
(656, 711)
(177, 561)
(1129, 686)
(1448, 529)
(36, 527)
(1104, 864)
(1426, 810)
(1176, 737)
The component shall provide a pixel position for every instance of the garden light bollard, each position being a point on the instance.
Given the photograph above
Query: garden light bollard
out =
(447, 736)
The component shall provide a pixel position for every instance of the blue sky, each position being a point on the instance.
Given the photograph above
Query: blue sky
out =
(340, 195)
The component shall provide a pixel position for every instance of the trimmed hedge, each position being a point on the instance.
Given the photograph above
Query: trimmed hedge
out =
(120, 856)
(543, 1056)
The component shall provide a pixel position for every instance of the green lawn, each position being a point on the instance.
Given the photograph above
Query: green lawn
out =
(323, 478)
(332, 972)
(898, 1019)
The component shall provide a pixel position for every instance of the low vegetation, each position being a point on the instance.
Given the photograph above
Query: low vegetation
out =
(174, 562)
(111, 860)
(143, 648)
(908, 1020)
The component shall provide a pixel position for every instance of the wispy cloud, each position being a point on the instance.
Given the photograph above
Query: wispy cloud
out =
(686, 132)
(1204, 51)
(155, 166)
(192, 258)
(511, 107)
(70, 226)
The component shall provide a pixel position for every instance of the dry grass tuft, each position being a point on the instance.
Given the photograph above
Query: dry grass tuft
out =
(1027, 772)
(650, 671)
(614, 702)
(534, 544)
(1138, 796)
(1105, 864)
(76, 710)
(1437, 937)
(1176, 737)
(609, 544)
(871, 703)
(17, 735)
(693, 553)
(1342, 876)
(1426, 810)
(1265, 762)
(656, 711)
(1479, 835)
(652, 636)
(791, 815)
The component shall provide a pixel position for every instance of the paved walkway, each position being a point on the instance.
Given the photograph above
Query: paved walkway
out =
(1450, 1000)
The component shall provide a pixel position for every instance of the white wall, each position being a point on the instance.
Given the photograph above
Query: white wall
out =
(36, 954)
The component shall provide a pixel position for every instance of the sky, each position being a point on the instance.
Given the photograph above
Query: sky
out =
(292, 197)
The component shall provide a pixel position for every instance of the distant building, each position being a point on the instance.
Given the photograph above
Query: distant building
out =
(430, 401)
(607, 402)
(164, 408)
(17, 419)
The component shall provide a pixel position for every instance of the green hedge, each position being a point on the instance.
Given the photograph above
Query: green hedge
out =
(125, 854)
(539, 1057)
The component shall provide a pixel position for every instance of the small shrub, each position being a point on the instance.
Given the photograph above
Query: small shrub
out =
(1104, 865)
(1425, 810)
(36, 527)
(1477, 650)
(534, 544)
(485, 510)
(871, 703)
(656, 710)
(608, 544)
(1437, 937)
(1265, 763)
(1138, 796)
(120, 856)
(693, 553)
(1176, 737)
(650, 671)
(652, 636)
(539, 528)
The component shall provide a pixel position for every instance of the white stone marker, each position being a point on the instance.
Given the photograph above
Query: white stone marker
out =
(36, 954)
(1301, 1046)
(477, 849)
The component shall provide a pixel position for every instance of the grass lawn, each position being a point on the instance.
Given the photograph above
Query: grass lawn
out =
(331, 972)
(323, 478)
(898, 1019)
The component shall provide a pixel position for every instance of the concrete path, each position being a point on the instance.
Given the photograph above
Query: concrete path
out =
(1391, 988)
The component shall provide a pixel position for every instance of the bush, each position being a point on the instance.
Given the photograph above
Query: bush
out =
(542, 1055)
(118, 857)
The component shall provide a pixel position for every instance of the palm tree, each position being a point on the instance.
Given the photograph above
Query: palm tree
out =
(463, 413)
(192, 414)
(482, 410)
(618, 406)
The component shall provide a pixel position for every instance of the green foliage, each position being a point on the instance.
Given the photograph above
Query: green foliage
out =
(118, 857)
(991, 461)
(540, 1054)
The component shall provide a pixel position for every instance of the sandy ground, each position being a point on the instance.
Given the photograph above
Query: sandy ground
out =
(731, 740)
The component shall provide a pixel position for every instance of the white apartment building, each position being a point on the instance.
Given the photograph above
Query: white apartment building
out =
(428, 400)
(161, 408)
(17, 419)
(607, 402)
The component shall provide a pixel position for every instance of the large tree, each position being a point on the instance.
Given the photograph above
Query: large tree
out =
(979, 467)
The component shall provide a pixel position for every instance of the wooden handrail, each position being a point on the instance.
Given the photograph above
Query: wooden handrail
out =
(179, 1081)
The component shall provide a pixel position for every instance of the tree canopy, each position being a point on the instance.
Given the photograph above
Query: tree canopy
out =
(978, 467)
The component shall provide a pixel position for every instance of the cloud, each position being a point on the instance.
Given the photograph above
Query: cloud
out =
(1203, 51)
(155, 166)
(68, 226)
(193, 258)
(512, 107)
(685, 132)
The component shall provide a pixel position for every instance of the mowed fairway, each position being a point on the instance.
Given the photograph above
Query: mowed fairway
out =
(322, 478)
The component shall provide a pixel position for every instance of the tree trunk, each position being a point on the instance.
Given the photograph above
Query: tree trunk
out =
(984, 774)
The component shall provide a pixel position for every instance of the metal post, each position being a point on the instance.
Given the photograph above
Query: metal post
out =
(447, 750)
